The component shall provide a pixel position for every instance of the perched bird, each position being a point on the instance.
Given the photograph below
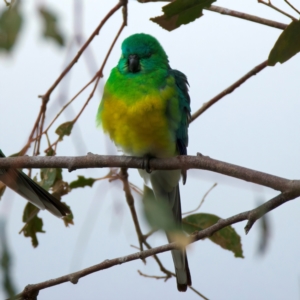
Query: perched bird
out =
(145, 109)
(30, 190)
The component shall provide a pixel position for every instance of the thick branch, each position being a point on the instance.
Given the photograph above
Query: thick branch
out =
(251, 216)
(178, 162)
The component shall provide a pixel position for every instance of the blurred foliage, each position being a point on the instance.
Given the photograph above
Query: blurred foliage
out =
(64, 129)
(11, 22)
(33, 225)
(158, 213)
(82, 182)
(5, 259)
(181, 12)
(10, 25)
(287, 45)
(51, 28)
(227, 237)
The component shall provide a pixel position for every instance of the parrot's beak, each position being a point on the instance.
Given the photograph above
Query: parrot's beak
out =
(133, 63)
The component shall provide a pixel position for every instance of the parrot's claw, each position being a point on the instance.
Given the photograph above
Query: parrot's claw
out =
(146, 164)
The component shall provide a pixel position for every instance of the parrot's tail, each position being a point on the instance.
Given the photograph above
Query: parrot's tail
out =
(166, 188)
(182, 270)
(33, 192)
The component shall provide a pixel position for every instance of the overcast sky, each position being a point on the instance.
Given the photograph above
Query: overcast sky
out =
(257, 127)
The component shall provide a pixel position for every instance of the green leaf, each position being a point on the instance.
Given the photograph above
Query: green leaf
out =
(2, 189)
(227, 237)
(158, 213)
(64, 129)
(33, 225)
(287, 45)
(48, 177)
(5, 261)
(181, 12)
(10, 25)
(82, 182)
(51, 28)
(50, 152)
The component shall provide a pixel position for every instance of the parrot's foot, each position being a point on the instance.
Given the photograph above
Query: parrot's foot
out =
(146, 164)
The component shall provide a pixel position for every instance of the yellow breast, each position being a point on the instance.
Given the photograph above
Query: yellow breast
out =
(140, 127)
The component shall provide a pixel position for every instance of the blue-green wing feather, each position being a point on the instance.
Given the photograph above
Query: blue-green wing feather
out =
(182, 138)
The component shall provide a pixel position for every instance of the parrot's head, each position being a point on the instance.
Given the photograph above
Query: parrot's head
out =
(142, 53)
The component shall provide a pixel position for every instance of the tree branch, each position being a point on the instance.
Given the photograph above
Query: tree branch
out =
(31, 291)
(178, 162)
(229, 90)
(241, 15)
(234, 13)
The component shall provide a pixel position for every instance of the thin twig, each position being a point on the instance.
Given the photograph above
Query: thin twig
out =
(166, 277)
(39, 123)
(130, 202)
(79, 53)
(241, 15)
(292, 6)
(269, 4)
(229, 90)
(222, 223)
(197, 292)
(234, 13)
(201, 202)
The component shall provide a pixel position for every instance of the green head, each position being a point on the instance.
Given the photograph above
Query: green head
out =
(142, 53)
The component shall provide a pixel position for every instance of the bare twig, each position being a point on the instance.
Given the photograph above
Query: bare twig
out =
(39, 123)
(241, 15)
(201, 202)
(229, 90)
(251, 216)
(269, 4)
(292, 6)
(234, 13)
(197, 292)
(46, 96)
(130, 202)
(154, 276)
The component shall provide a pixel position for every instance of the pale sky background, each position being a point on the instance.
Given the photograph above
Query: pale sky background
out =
(257, 127)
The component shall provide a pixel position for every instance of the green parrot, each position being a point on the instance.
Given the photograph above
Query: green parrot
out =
(30, 190)
(145, 109)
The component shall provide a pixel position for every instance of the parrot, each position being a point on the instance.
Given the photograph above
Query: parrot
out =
(145, 110)
(22, 184)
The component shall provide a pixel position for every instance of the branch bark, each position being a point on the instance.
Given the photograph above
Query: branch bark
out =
(177, 162)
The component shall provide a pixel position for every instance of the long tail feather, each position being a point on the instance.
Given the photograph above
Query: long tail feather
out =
(165, 186)
(30, 190)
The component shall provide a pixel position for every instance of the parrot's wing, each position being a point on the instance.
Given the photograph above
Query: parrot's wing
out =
(182, 138)
(33, 192)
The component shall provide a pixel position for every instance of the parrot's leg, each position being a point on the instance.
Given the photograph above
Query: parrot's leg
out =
(146, 163)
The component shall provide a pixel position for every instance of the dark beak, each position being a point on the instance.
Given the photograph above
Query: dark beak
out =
(133, 63)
